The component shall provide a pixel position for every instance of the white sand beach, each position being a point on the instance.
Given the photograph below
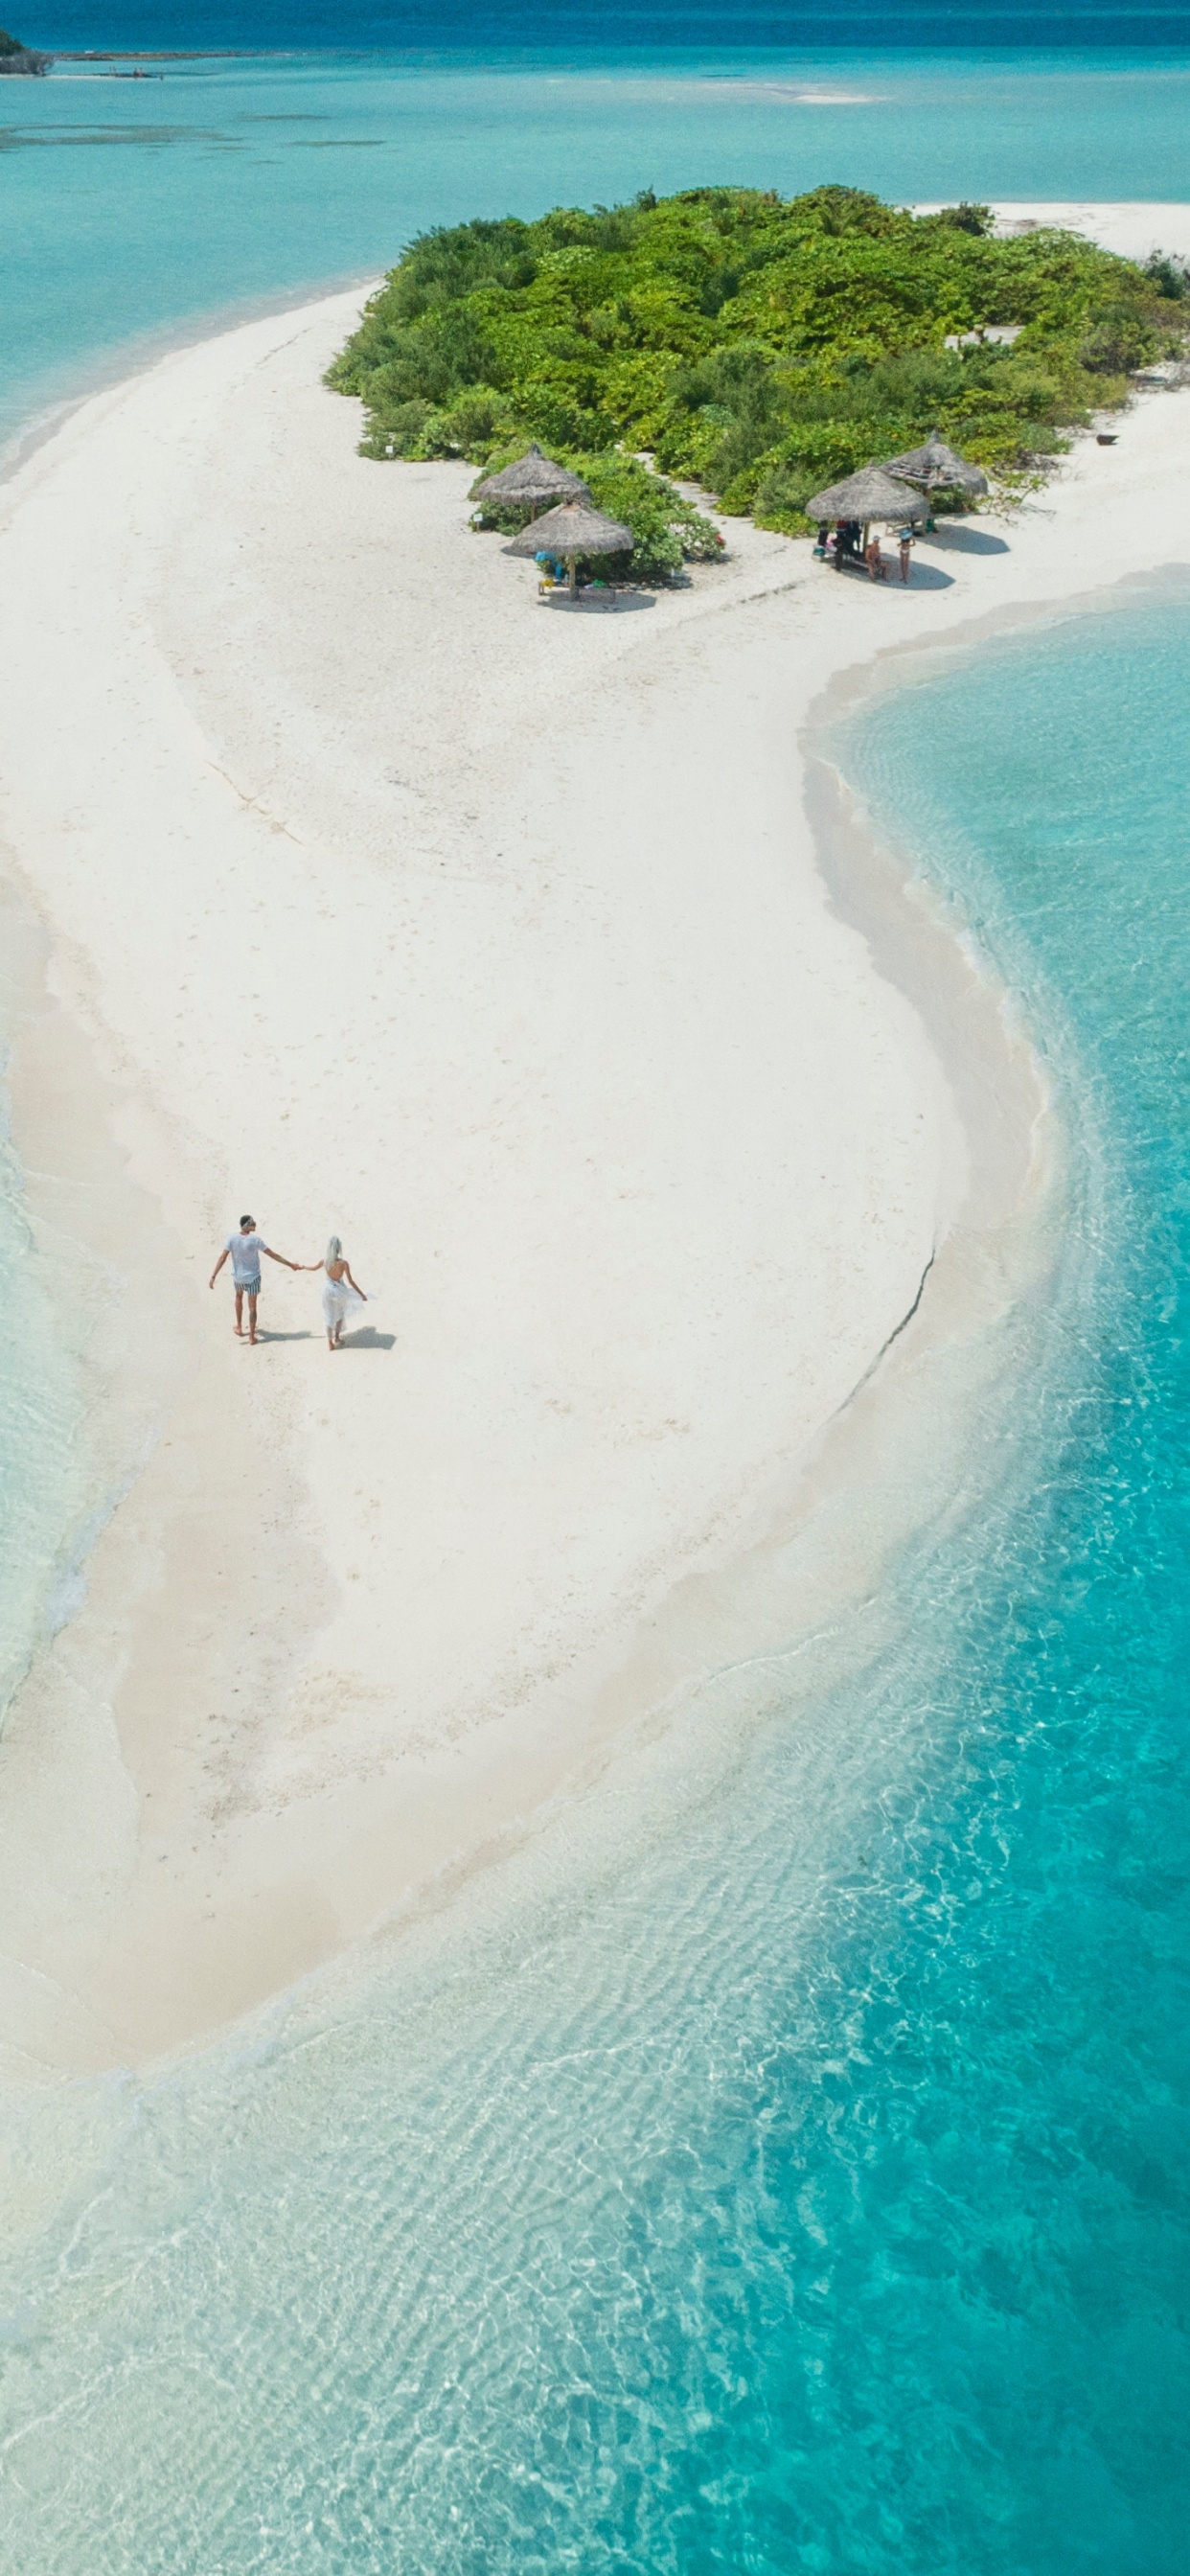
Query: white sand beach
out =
(1133, 231)
(379, 899)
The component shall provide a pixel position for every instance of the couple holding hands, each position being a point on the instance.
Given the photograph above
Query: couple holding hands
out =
(339, 1290)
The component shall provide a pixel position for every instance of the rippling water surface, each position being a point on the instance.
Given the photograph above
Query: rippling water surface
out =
(783, 2167)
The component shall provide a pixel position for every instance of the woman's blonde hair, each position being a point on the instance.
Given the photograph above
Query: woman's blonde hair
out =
(334, 1252)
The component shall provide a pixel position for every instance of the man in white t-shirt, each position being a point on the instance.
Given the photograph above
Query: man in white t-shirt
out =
(245, 1249)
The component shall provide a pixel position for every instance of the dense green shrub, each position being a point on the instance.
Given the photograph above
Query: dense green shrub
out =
(758, 346)
(966, 218)
(1168, 272)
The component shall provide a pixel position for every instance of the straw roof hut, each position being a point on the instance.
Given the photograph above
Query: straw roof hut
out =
(938, 468)
(531, 479)
(873, 493)
(574, 529)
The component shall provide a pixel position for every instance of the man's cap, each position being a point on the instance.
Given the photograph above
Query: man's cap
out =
(247, 1220)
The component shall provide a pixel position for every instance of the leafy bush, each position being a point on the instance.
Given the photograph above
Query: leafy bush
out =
(759, 346)
(1169, 273)
(967, 219)
(669, 530)
(1121, 341)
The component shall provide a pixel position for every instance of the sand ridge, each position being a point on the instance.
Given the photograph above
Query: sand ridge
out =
(389, 902)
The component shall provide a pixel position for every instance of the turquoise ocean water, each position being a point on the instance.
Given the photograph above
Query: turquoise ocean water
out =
(789, 2173)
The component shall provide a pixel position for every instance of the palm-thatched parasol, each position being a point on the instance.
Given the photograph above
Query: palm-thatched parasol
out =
(873, 493)
(574, 529)
(532, 479)
(938, 468)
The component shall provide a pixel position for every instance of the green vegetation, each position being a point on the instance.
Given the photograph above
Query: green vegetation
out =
(758, 346)
(668, 529)
(1169, 273)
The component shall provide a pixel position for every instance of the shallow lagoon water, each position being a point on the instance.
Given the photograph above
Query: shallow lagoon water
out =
(782, 2166)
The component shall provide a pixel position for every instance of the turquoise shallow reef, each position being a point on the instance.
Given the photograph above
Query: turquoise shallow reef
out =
(797, 2181)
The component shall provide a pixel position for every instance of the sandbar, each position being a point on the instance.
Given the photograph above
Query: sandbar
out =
(383, 901)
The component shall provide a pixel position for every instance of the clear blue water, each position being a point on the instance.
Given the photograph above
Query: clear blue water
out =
(800, 2182)
(789, 2172)
(608, 27)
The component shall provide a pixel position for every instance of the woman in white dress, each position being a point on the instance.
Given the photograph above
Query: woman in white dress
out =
(340, 1294)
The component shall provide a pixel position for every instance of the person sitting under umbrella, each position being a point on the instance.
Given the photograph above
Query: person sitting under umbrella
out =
(575, 531)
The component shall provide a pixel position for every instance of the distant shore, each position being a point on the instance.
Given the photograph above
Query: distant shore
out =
(383, 901)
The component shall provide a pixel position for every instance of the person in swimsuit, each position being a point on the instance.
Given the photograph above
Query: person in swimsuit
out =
(246, 1248)
(339, 1291)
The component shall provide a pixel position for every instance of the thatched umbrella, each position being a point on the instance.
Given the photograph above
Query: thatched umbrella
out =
(873, 493)
(572, 530)
(938, 468)
(532, 479)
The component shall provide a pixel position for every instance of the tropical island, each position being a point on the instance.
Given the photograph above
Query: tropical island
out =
(502, 942)
(755, 346)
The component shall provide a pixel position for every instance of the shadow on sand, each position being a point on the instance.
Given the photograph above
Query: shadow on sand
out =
(969, 541)
(923, 576)
(560, 604)
(368, 1339)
